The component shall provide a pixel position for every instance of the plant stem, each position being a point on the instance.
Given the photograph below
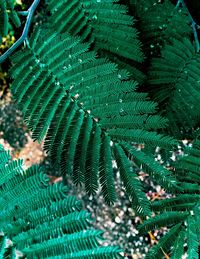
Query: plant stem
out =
(194, 25)
(24, 35)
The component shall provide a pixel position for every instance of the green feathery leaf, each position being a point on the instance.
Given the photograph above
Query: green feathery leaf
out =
(41, 220)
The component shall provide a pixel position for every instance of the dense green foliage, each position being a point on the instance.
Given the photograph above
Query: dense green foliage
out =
(160, 23)
(104, 24)
(79, 104)
(175, 79)
(180, 213)
(41, 220)
(80, 80)
(172, 61)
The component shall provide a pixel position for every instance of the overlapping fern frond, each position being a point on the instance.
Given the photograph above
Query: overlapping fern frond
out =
(187, 168)
(104, 23)
(92, 118)
(180, 213)
(160, 22)
(173, 75)
(7, 12)
(80, 105)
(175, 80)
(40, 220)
(181, 216)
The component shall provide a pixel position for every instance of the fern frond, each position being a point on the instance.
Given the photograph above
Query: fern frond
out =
(164, 219)
(80, 171)
(182, 209)
(41, 220)
(178, 249)
(177, 236)
(174, 78)
(66, 244)
(106, 173)
(181, 202)
(131, 182)
(59, 208)
(187, 168)
(148, 163)
(74, 222)
(105, 24)
(160, 22)
(67, 95)
(164, 243)
(75, 132)
(142, 136)
(192, 239)
(134, 121)
(96, 253)
(8, 169)
(93, 162)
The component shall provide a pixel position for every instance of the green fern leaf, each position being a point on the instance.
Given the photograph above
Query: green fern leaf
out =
(166, 218)
(181, 202)
(74, 94)
(106, 173)
(182, 209)
(165, 243)
(160, 22)
(178, 250)
(40, 220)
(97, 253)
(104, 23)
(193, 242)
(174, 78)
(80, 171)
(131, 182)
(93, 162)
(148, 163)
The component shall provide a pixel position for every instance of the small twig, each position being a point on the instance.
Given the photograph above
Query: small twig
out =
(194, 24)
(23, 13)
(24, 35)
(152, 237)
